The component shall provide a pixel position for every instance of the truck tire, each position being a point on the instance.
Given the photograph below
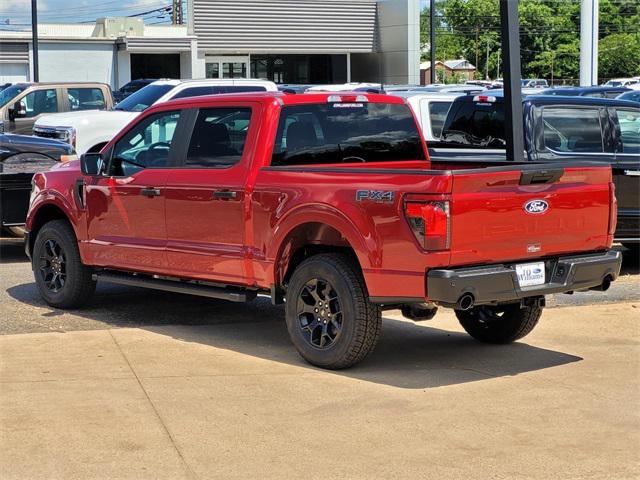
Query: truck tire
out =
(61, 278)
(634, 248)
(329, 317)
(499, 324)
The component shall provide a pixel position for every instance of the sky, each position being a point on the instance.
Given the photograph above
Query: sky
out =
(18, 12)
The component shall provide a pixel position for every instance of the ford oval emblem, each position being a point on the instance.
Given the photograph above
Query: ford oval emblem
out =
(536, 207)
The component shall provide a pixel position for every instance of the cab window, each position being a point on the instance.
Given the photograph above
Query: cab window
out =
(41, 101)
(218, 138)
(629, 120)
(572, 130)
(85, 99)
(146, 145)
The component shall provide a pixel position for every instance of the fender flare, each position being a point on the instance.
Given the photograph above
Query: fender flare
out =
(361, 236)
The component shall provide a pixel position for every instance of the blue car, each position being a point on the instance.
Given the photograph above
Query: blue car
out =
(595, 92)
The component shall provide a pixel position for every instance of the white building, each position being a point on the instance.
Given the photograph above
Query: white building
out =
(288, 41)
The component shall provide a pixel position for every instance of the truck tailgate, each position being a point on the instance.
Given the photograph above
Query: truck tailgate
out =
(500, 215)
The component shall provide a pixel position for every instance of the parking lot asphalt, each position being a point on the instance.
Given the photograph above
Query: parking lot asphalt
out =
(141, 384)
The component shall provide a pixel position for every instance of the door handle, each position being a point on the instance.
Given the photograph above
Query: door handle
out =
(225, 194)
(150, 192)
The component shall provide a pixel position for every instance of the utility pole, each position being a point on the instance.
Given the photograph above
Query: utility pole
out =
(34, 39)
(589, 27)
(477, 44)
(432, 41)
(510, 37)
(174, 12)
(486, 66)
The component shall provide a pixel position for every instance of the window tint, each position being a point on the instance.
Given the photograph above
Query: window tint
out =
(85, 99)
(218, 89)
(437, 114)
(572, 129)
(218, 137)
(346, 133)
(10, 93)
(143, 98)
(41, 101)
(477, 124)
(146, 145)
(629, 120)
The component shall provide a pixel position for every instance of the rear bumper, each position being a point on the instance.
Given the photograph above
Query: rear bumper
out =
(499, 283)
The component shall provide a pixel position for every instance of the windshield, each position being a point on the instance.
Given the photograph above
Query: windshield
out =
(143, 98)
(346, 133)
(10, 93)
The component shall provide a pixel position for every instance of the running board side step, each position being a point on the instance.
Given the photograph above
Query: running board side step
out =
(177, 286)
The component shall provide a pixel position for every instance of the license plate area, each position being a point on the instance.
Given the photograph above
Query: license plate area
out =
(530, 274)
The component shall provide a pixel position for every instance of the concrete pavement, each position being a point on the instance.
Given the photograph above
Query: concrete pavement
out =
(233, 400)
(144, 385)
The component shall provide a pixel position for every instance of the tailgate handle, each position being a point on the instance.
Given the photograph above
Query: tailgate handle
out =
(537, 177)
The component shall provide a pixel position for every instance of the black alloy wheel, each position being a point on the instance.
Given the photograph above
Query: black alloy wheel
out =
(319, 313)
(53, 266)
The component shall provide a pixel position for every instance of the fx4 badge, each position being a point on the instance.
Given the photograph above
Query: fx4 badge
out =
(535, 207)
(375, 195)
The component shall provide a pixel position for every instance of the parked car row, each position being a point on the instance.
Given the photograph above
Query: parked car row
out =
(90, 130)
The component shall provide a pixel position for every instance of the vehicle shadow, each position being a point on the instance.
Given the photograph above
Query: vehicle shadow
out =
(12, 250)
(409, 355)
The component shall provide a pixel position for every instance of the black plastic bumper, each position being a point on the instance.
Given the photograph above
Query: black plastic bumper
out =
(499, 283)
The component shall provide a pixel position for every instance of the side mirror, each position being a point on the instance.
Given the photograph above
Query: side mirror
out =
(92, 164)
(19, 110)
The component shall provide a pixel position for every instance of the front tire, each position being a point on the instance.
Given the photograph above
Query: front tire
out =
(501, 323)
(329, 317)
(61, 278)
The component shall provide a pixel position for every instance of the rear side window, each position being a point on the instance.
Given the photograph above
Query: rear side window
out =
(218, 137)
(85, 99)
(572, 129)
(479, 124)
(437, 115)
(218, 89)
(346, 133)
(629, 120)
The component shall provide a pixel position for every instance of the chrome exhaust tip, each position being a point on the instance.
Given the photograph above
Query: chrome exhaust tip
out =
(465, 302)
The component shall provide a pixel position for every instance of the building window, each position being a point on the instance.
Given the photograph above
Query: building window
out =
(300, 69)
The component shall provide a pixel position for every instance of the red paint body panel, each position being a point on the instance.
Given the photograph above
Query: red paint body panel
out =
(249, 240)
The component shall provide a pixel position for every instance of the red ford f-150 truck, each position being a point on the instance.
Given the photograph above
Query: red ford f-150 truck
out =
(328, 203)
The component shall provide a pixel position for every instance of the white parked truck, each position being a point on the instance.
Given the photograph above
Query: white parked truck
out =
(90, 131)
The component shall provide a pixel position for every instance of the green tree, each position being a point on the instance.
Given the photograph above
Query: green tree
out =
(619, 55)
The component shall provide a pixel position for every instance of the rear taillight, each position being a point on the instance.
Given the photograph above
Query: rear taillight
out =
(430, 223)
(613, 209)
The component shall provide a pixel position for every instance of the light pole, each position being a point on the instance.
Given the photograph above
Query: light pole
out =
(34, 39)
(432, 41)
(510, 37)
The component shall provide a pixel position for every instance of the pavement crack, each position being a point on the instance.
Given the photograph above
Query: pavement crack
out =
(155, 409)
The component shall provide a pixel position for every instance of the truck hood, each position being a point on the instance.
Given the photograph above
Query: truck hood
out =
(86, 117)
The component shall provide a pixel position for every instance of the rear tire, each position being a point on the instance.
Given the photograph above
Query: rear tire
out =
(499, 324)
(329, 317)
(62, 279)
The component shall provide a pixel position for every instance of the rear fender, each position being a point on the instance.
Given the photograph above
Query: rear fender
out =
(359, 235)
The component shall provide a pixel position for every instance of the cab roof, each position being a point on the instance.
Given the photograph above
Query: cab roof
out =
(279, 97)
